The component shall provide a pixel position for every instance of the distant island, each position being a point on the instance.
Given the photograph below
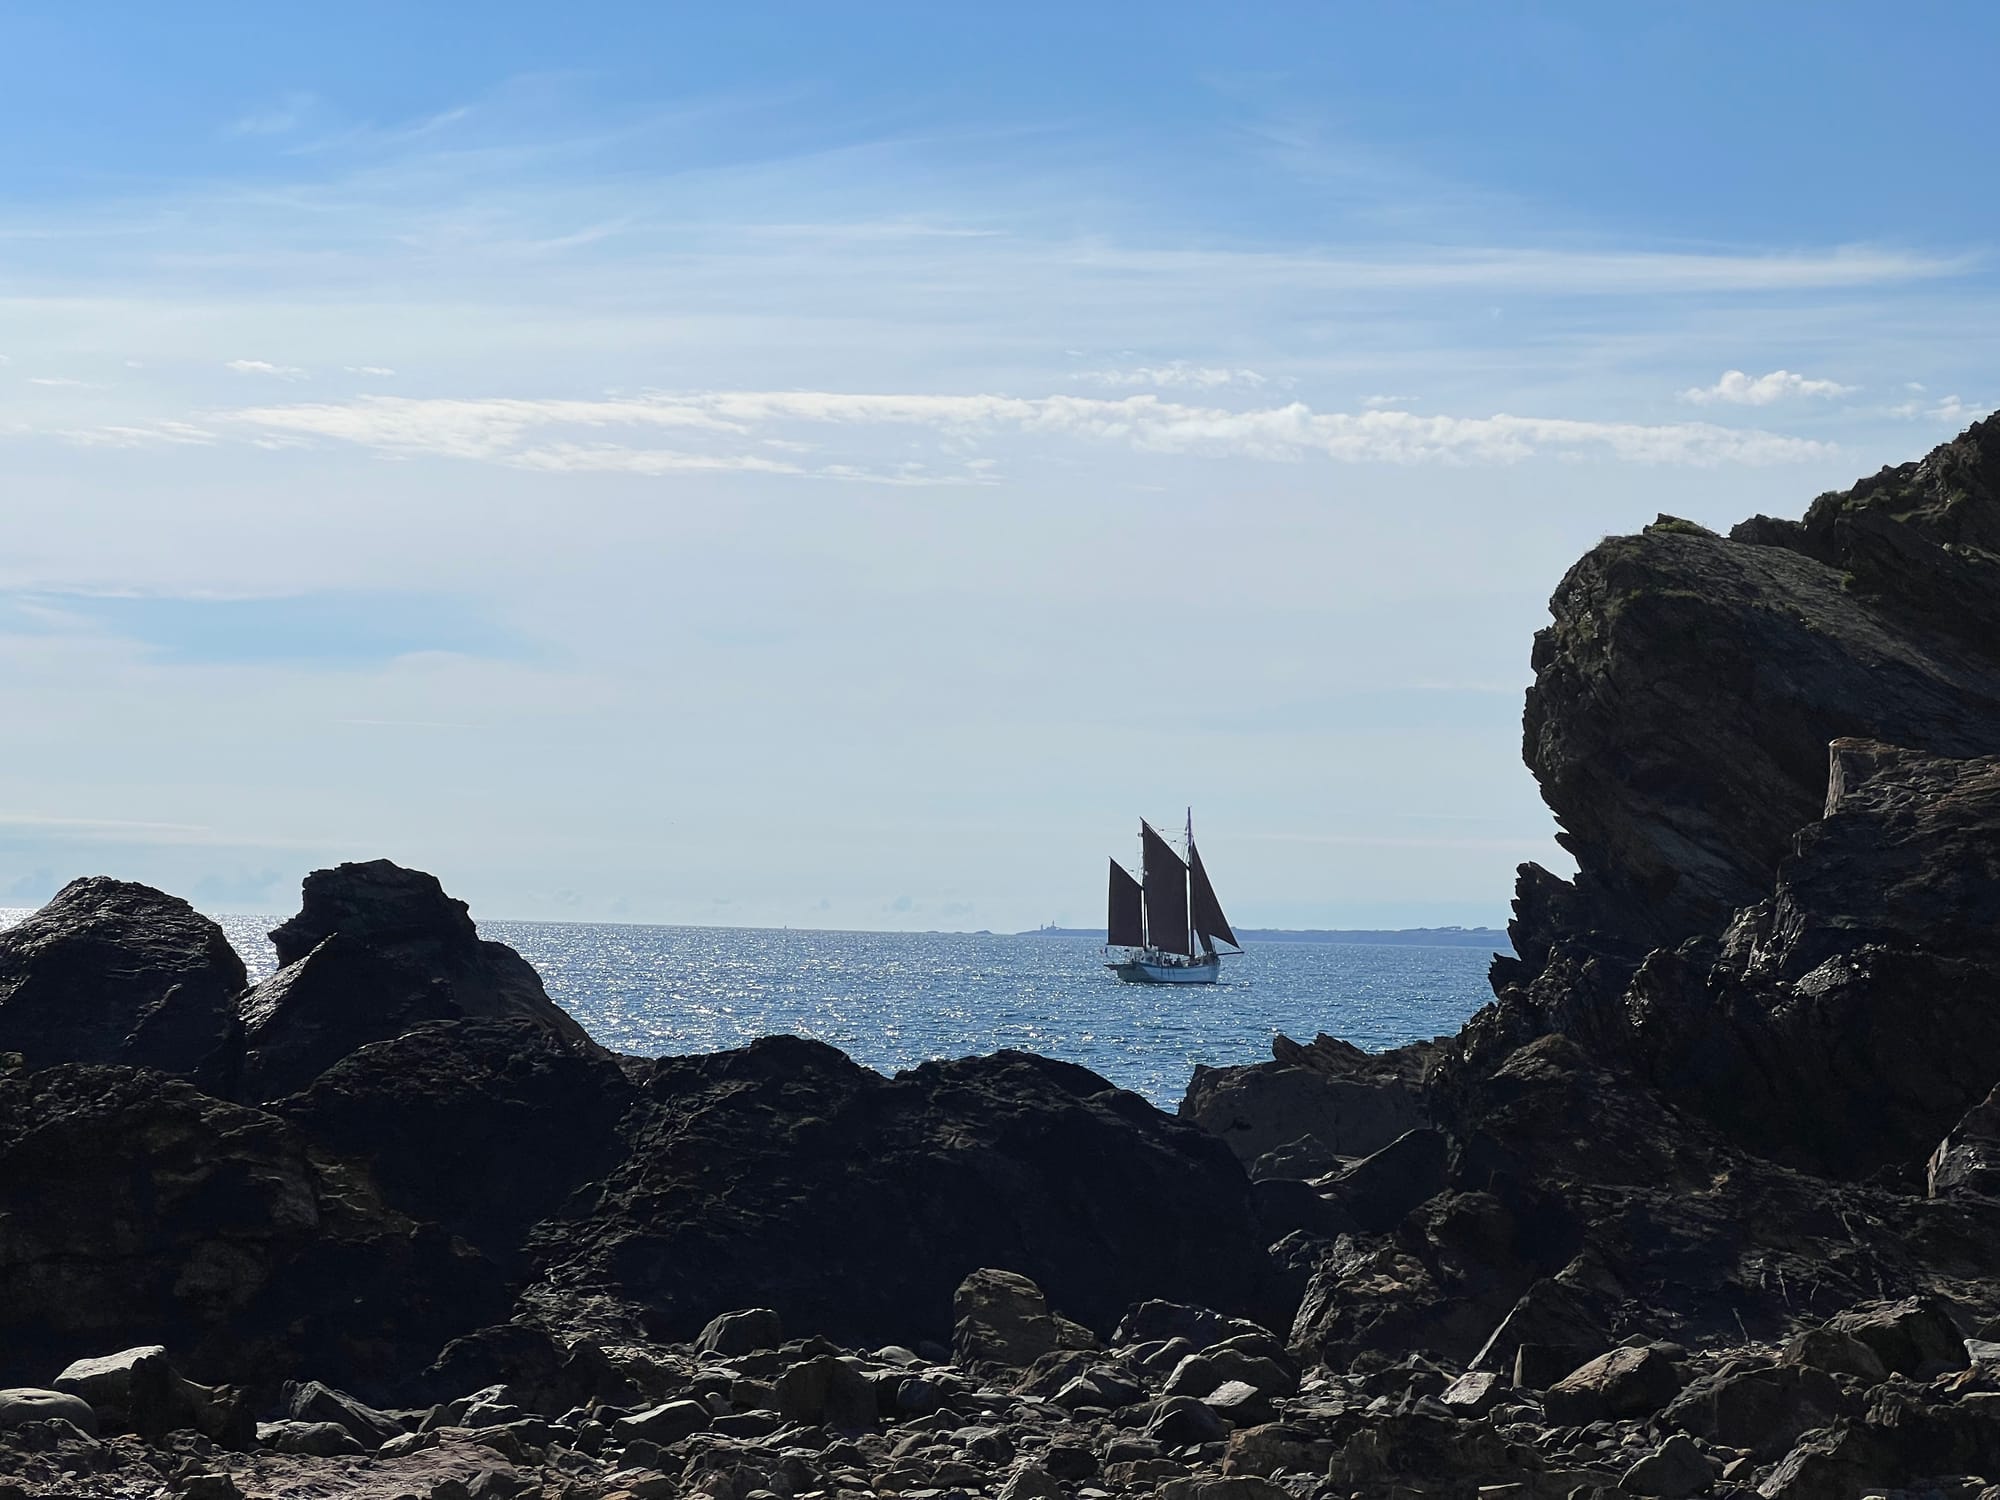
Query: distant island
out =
(1409, 937)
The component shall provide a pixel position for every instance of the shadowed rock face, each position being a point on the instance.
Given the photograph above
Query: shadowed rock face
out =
(376, 950)
(785, 1175)
(1686, 692)
(137, 1209)
(1844, 1022)
(485, 1127)
(111, 971)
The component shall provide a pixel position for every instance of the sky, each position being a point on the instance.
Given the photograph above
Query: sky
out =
(843, 466)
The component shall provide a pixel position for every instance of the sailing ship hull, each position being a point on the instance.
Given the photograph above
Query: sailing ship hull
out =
(1159, 971)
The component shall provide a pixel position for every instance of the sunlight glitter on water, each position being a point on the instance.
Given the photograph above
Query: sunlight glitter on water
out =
(892, 1000)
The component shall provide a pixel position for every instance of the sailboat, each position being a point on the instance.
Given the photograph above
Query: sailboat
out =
(1162, 916)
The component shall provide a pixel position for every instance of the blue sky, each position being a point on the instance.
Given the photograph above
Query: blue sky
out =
(840, 466)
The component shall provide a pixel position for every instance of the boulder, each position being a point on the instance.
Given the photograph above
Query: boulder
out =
(1301, 1113)
(114, 972)
(1834, 1351)
(1179, 1420)
(1549, 1317)
(310, 1401)
(374, 951)
(1001, 1318)
(28, 1404)
(741, 1332)
(1914, 1336)
(1474, 1393)
(827, 1391)
(1673, 1471)
(1621, 1383)
(1762, 1409)
(664, 1424)
(311, 1439)
(1377, 1191)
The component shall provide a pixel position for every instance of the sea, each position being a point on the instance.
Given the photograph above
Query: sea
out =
(891, 1000)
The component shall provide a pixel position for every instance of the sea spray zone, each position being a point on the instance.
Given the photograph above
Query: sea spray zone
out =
(1703, 1201)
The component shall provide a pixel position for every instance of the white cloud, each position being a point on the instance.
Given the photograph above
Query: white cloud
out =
(368, 370)
(1952, 409)
(158, 435)
(66, 382)
(1377, 403)
(264, 367)
(1736, 388)
(529, 433)
(1179, 372)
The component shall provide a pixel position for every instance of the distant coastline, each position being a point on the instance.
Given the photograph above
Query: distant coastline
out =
(1411, 937)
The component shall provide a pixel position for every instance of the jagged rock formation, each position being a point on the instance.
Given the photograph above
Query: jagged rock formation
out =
(376, 951)
(114, 972)
(1687, 690)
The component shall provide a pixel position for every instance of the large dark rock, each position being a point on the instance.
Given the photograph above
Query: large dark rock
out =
(1685, 694)
(1312, 1106)
(785, 1175)
(485, 1127)
(114, 972)
(137, 1209)
(376, 950)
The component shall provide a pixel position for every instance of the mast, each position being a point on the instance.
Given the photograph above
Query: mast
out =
(1189, 846)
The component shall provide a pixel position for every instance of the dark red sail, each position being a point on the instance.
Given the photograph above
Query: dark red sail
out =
(1208, 918)
(1166, 894)
(1126, 923)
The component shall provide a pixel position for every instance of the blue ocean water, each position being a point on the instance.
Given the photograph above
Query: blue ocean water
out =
(892, 1000)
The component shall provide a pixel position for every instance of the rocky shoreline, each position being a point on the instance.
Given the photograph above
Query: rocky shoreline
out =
(1703, 1203)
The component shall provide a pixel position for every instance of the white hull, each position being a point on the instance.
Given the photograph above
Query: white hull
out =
(1148, 968)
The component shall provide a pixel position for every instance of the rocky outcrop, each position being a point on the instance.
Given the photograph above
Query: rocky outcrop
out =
(785, 1175)
(114, 972)
(375, 951)
(1686, 692)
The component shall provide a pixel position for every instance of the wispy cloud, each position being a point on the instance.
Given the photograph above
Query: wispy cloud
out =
(163, 434)
(1178, 373)
(264, 367)
(532, 433)
(64, 382)
(1379, 403)
(383, 370)
(281, 118)
(1736, 388)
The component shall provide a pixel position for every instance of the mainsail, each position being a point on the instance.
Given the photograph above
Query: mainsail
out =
(1126, 924)
(1166, 894)
(1209, 922)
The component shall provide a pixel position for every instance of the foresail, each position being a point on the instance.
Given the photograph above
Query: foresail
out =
(1208, 918)
(1166, 894)
(1125, 926)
